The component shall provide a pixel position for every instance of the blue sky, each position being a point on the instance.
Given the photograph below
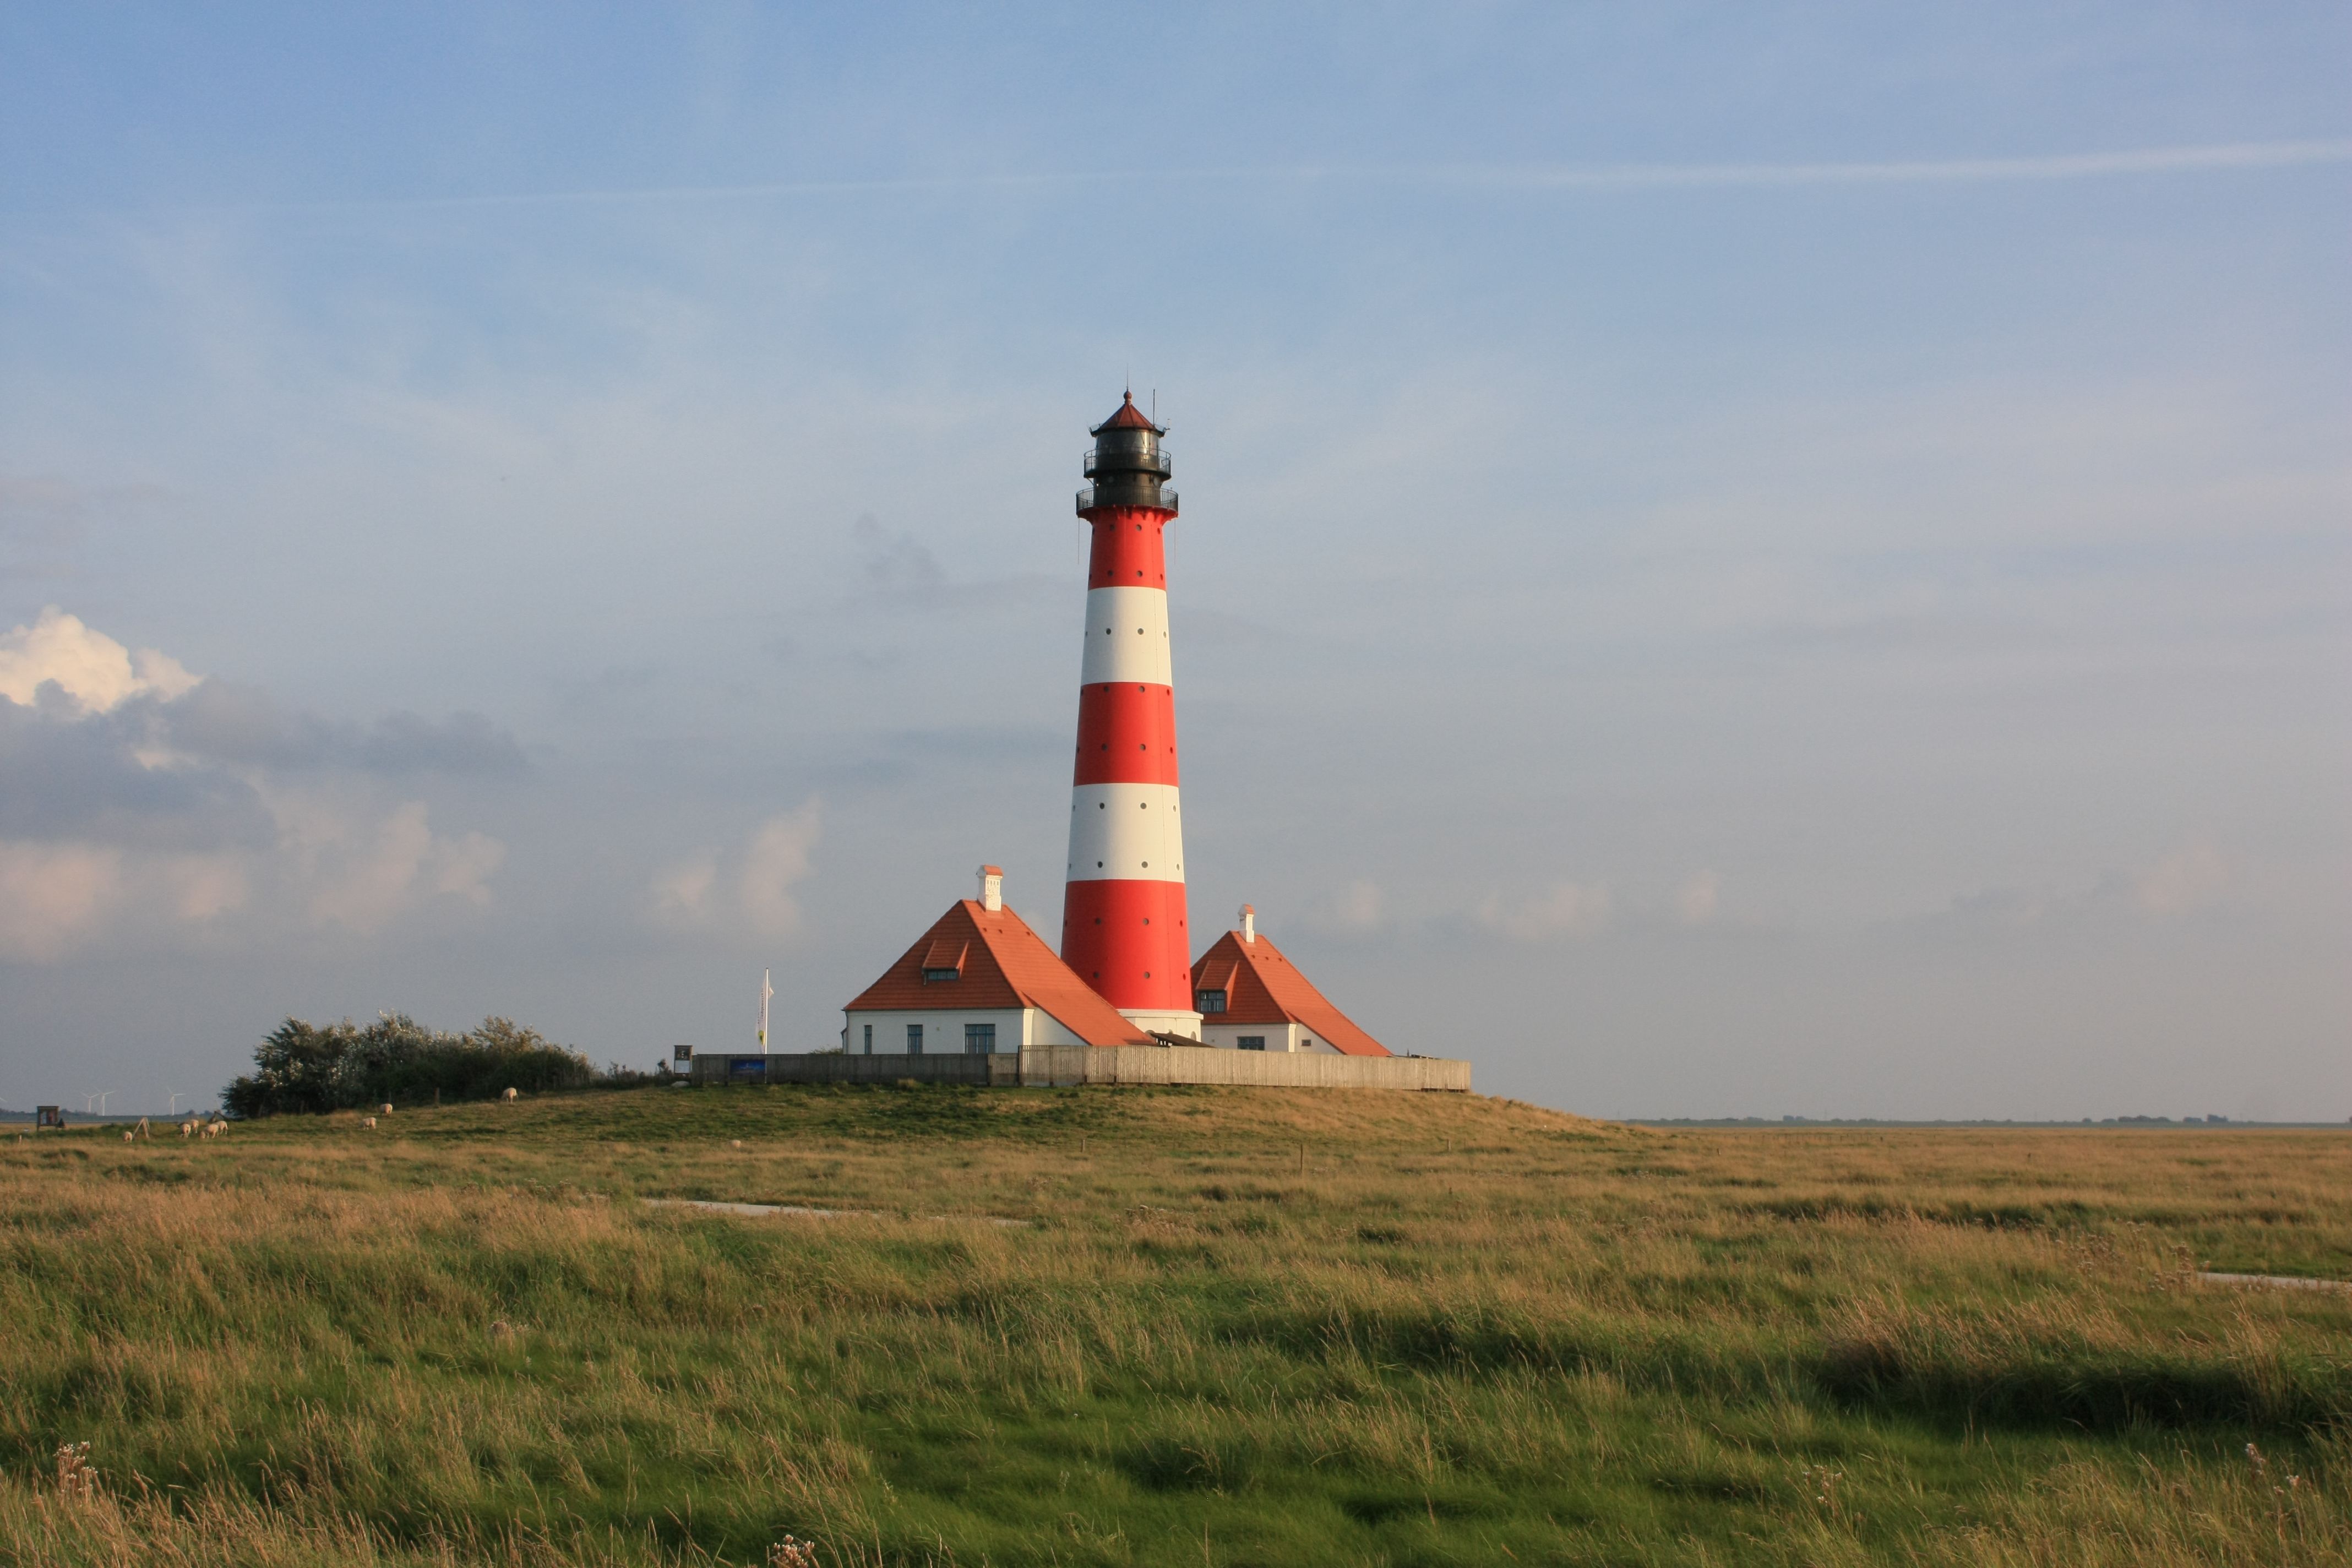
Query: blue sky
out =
(1758, 560)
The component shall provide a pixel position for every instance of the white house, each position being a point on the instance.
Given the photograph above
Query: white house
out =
(979, 981)
(1252, 999)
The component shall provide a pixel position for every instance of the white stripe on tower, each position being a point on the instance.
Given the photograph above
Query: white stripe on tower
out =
(1126, 638)
(1126, 830)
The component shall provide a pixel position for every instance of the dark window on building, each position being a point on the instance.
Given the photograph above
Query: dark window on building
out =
(1251, 1042)
(914, 1039)
(1209, 1001)
(870, 1039)
(979, 1039)
(931, 975)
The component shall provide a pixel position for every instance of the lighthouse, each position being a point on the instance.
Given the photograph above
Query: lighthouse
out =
(981, 982)
(1123, 925)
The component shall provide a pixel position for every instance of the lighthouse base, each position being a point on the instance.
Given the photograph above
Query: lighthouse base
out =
(1163, 1023)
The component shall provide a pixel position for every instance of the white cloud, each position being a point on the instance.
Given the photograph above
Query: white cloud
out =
(53, 897)
(2185, 880)
(1695, 899)
(90, 666)
(778, 858)
(1358, 907)
(690, 894)
(205, 887)
(367, 874)
(462, 868)
(1565, 909)
(682, 893)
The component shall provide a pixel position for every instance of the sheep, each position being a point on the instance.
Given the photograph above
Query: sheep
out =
(188, 1128)
(368, 1123)
(127, 1137)
(216, 1129)
(386, 1112)
(510, 1096)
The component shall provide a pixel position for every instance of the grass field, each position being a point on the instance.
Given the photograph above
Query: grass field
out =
(1229, 1327)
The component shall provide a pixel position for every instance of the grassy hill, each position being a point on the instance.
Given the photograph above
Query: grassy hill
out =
(1181, 1327)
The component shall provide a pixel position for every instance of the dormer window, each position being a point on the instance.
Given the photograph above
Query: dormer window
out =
(944, 960)
(1209, 1001)
(933, 975)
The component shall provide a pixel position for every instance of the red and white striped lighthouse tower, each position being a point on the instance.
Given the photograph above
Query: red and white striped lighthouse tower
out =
(1123, 927)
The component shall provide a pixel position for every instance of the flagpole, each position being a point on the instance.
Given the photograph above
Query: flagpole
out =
(766, 991)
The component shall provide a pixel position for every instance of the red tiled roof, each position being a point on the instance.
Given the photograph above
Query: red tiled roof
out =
(1129, 417)
(1005, 965)
(1261, 986)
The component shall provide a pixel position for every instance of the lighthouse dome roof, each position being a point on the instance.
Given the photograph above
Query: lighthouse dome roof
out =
(1128, 417)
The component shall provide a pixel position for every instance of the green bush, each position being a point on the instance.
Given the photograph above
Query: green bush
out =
(307, 1068)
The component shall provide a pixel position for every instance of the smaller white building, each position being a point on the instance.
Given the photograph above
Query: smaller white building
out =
(1252, 999)
(980, 981)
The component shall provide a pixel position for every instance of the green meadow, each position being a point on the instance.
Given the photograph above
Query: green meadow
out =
(1167, 1327)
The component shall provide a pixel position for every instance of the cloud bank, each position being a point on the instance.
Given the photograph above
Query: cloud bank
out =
(144, 803)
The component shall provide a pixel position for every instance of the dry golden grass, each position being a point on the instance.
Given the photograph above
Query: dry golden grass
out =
(1232, 1327)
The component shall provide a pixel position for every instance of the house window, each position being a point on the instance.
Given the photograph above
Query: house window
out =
(979, 1039)
(1209, 1001)
(914, 1039)
(870, 1039)
(1250, 1042)
(933, 975)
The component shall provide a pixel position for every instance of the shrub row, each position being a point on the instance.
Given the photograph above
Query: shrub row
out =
(308, 1068)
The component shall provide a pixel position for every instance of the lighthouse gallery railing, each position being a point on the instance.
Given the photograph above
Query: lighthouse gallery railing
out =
(1167, 499)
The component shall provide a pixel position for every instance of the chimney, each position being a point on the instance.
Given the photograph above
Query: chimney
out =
(992, 888)
(1249, 922)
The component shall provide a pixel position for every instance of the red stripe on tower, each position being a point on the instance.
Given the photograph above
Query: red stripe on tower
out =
(1123, 922)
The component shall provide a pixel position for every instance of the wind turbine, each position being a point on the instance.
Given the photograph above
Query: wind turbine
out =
(176, 1102)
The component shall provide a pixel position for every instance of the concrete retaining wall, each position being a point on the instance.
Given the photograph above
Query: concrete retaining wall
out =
(1068, 1066)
